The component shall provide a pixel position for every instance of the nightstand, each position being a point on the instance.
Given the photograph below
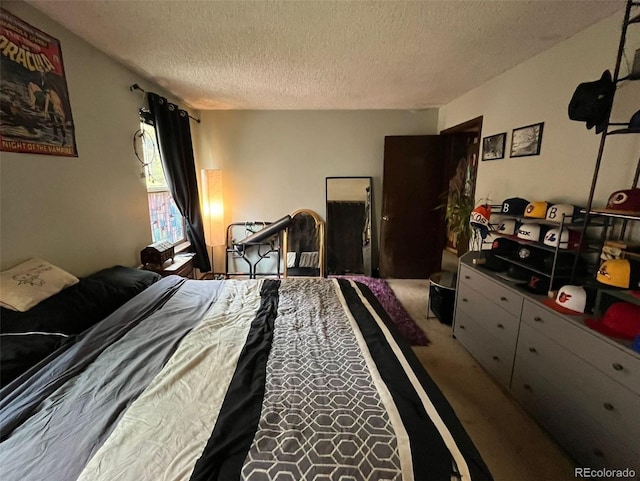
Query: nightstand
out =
(182, 265)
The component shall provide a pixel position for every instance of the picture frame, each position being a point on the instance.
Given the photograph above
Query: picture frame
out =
(36, 110)
(493, 146)
(527, 140)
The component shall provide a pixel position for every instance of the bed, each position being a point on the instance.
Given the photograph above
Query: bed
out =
(294, 379)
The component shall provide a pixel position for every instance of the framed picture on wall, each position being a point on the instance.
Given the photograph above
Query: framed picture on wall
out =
(493, 146)
(36, 111)
(526, 140)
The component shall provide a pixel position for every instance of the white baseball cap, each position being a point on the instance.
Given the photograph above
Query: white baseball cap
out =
(531, 231)
(556, 211)
(568, 239)
(570, 300)
(507, 226)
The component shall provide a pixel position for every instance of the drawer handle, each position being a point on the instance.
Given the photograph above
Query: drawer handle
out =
(464, 299)
(500, 326)
(528, 388)
(538, 319)
(504, 299)
(496, 358)
(533, 350)
(467, 277)
(461, 326)
(608, 406)
(598, 453)
(617, 367)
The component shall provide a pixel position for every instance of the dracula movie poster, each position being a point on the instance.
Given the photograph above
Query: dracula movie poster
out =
(35, 115)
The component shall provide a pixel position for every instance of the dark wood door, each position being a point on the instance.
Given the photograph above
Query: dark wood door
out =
(411, 228)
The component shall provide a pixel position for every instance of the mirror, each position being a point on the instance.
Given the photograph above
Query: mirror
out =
(304, 245)
(349, 236)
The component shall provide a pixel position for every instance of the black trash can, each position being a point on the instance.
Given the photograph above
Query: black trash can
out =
(442, 295)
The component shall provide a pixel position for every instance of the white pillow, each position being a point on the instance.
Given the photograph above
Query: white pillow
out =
(31, 282)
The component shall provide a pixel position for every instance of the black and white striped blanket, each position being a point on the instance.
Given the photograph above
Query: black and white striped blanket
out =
(299, 379)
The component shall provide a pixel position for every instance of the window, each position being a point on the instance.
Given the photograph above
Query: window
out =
(167, 224)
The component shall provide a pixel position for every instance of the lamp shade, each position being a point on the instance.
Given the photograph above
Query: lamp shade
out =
(213, 206)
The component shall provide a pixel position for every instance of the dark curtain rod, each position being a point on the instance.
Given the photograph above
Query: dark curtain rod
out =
(137, 87)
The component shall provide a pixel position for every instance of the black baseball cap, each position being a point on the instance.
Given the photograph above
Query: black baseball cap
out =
(514, 206)
(495, 263)
(505, 247)
(530, 256)
(537, 284)
(515, 274)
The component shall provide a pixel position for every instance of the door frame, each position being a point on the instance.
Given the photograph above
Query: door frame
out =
(452, 141)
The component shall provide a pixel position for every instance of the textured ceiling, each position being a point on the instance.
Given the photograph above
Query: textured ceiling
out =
(322, 54)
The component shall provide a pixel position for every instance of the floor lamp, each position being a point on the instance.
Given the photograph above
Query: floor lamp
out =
(213, 209)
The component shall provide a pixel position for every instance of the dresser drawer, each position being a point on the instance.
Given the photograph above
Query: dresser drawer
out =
(495, 356)
(491, 290)
(593, 395)
(616, 362)
(500, 323)
(589, 442)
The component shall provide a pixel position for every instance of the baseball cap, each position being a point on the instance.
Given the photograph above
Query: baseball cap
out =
(530, 256)
(623, 202)
(537, 284)
(494, 263)
(591, 102)
(619, 273)
(479, 219)
(621, 320)
(567, 239)
(569, 211)
(517, 273)
(570, 300)
(507, 226)
(514, 206)
(532, 231)
(537, 210)
(503, 247)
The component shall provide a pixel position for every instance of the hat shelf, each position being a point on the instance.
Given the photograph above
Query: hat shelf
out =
(556, 273)
(524, 265)
(615, 223)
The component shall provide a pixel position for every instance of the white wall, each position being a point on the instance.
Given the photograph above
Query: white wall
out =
(82, 213)
(539, 90)
(276, 162)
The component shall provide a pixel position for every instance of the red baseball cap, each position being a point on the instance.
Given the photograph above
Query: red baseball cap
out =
(621, 320)
(623, 202)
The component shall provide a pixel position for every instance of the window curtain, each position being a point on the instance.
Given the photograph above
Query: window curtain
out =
(173, 134)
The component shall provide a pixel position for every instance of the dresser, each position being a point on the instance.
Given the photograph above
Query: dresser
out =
(581, 386)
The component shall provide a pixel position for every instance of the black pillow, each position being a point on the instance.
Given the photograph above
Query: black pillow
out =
(124, 282)
(70, 312)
